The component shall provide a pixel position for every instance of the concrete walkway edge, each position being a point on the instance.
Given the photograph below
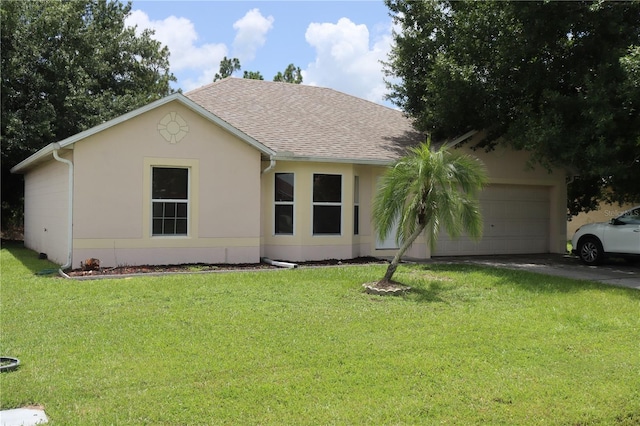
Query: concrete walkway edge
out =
(23, 417)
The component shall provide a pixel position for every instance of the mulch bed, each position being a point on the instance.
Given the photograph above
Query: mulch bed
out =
(202, 267)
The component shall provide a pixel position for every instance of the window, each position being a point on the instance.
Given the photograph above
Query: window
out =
(283, 200)
(169, 200)
(327, 204)
(356, 205)
(632, 217)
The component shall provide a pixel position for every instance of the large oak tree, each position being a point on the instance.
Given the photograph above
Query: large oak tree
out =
(558, 79)
(68, 66)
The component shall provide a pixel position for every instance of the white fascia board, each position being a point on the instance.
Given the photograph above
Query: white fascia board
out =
(33, 159)
(462, 138)
(48, 150)
(359, 161)
(288, 156)
(120, 119)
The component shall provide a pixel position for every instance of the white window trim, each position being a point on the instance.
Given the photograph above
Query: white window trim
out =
(283, 203)
(340, 204)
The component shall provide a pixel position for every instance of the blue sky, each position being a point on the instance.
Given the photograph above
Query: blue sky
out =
(337, 44)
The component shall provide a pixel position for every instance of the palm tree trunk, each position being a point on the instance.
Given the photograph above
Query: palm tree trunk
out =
(391, 269)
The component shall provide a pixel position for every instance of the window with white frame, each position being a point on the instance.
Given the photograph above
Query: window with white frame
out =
(356, 205)
(327, 204)
(169, 200)
(283, 204)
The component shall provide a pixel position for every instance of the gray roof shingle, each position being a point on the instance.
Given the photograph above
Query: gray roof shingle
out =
(308, 121)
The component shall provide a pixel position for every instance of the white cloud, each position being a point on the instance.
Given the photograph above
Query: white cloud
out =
(180, 36)
(251, 31)
(347, 59)
(347, 55)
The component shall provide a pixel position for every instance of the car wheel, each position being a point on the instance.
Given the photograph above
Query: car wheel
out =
(590, 251)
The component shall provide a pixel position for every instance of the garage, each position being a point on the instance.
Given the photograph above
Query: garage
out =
(516, 221)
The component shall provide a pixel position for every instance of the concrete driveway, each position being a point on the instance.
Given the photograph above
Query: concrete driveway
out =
(613, 271)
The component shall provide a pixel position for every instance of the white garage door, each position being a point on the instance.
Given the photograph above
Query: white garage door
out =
(516, 221)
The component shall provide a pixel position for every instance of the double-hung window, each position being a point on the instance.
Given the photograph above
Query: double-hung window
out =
(327, 204)
(283, 204)
(170, 200)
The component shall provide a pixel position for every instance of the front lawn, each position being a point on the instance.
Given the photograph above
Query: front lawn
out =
(470, 345)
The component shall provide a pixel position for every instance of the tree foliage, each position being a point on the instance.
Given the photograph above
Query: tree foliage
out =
(292, 74)
(68, 66)
(428, 189)
(227, 67)
(253, 75)
(558, 79)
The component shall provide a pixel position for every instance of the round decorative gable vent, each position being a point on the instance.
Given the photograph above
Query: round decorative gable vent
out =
(173, 127)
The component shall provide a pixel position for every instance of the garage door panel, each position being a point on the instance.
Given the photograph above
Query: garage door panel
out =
(534, 209)
(516, 220)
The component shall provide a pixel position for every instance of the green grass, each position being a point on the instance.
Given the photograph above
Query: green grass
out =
(470, 345)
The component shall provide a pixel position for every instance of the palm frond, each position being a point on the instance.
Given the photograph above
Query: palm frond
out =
(435, 188)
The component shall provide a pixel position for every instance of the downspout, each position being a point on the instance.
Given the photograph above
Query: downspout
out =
(272, 164)
(56, 147)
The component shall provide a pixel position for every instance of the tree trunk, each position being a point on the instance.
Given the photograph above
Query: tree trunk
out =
(391, 269)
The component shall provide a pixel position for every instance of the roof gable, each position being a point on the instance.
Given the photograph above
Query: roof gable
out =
(44, 153)
(283, 121)
(309, 122)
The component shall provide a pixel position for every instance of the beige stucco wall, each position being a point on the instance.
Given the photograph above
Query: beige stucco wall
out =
(112, 209)
(46, 205)
(302, 245)
(231, 204)
(505, 167)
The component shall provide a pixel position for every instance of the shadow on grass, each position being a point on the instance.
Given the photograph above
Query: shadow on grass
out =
(433, 293)
(526, 280)
(28, 258)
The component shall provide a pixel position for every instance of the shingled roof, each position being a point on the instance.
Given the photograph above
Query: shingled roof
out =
(309, 122)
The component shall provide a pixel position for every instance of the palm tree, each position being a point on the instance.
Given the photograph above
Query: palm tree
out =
(428, 189)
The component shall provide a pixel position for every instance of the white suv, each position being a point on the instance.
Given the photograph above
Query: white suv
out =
(618, 237)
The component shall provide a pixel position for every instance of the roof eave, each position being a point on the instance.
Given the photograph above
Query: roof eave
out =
(312, 159)
(461, 138)
(33, 159)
